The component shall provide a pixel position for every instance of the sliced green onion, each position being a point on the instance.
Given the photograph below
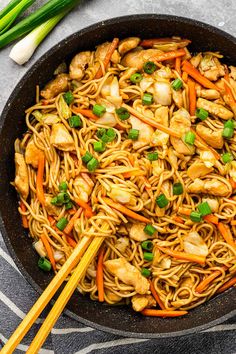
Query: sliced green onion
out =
(61, 224)
(99, 110)
(44, 264)
(147, 245)
(111, 133)
(99, 146)
(177, 84)
(149, 229)
(195, 216)
(149, 67)
(201, 113)
(87, 157)
(9, 7)
(122, 113)
(162, 201)
(63, 186)
(145, 272)
(54, 201)
(68, 205)
(100, 132)
(92, 165)
(62, 198)
(229, 124)
(227, 157)
(133, 134)
(75, 122)
(204, 209)
(147, 99)
(105, 138)
(68, 97)
(136, 78)
(152, 156)
(148, 256)
(177, 189)
(228, 133)
(189, 138)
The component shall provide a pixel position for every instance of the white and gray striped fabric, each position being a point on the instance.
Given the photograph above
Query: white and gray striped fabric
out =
(16, 295)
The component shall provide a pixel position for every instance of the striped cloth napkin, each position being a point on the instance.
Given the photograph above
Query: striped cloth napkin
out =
(69, 336)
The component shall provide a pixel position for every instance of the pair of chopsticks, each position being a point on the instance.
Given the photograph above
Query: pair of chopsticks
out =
(92, 245)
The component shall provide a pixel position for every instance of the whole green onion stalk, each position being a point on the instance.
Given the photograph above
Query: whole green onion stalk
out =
(25, 48)
(8, 8)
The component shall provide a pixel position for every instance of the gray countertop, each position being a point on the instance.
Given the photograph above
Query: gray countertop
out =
(16, 295)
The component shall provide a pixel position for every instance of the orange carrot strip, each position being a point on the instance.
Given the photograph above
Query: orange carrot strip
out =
(133, 173)
(99, 276)
(125, 210)
(185, 77)
(192, 97)
(71, 241)
(211, 218)
(156, 296)
(184, 211)
(107, 58)
(85, 112)
(233, 184)
(203, 284)
(168, 55)
(71, 211)
(178, 219)
(233, 222)
(184, 256)
(151, 122)
(200, 140)
(25, 223)
(195, 74)
(49, 250)
(51, 219)
(162, 313)
(227, 285)
(70, 224)
(226, 234)
(178, 65)
(86, 206)
(131, 159)
(39, 179)
(151, 42)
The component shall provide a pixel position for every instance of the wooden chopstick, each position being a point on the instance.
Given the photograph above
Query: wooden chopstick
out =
(46, 296)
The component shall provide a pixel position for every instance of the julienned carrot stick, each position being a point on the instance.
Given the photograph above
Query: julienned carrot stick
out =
(178, 219)
(71, 241)
(151, 42)
(203, 142)
(227, 285)
(211, 218)
(196, 75)
(70, 224)
(233, 222)
(184, 256)
(168, 55)
(86, 206)
(185, 77)
(86, 112)
(125, 210)
(184, 211)
(162, 313)
(99, 276)
(39, 179)
(51, 220)
(156, 296)
(178, 65)
(203, 284)
(233, 184)
(107, 58)
(192, 97)
(226, 234)
(25, 223)
(48, 249)
(133, 174)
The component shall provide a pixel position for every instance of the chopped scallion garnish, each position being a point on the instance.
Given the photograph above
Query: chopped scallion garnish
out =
(147, 245)
(162, 201)
(189, 138)
(99, 110)
(68, 97)
(44, 264)
(136, 78)
(149, 67)
(61, 224)
(99, 146)
(87, 157)
(75, 122)
(149, 229)
(133, 134)
(227, 157)
(177, 84)
(201, 113)
(195, 216)
(92, 165)
(148, 256)
(145, 272)
(152, 156)
(204, 209)
(122, 113)
(147, 99)
(177, 189)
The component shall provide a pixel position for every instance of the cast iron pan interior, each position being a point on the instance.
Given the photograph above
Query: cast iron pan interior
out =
(119, 320)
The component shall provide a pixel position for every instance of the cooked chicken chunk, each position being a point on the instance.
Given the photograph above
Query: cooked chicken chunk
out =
(178, 98)
(145, 132)
(127, 44)
(136, 232)
(194, 244)
(213, 204)
(101, 52)
(198, 169)
(61, 138)
(121, 244)
(83, 188)
(21, 179)
(210, 186)
(161, 116)
(51, 209)
(78, 65)
(213, 138)
(211, 68)
(214, 108)
(120, 195)
(140, 302)
(128, 274)
(56, 86)
(137, 57)
(162, 93)
(112, 297)
(32, 154)
(208, 94)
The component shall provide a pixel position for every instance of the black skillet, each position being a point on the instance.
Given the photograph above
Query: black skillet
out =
(115, 319)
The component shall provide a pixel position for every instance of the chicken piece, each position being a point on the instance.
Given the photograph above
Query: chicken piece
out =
(181, 123)
(208, 158)
(161, 116)
(128, 274)
(173, 158)
(213, 138)
(140, 302)
(212, 186)
(56, 86)
(195, 60)
(22, 178)
(214, 108)
(137, 57)
(177, 98)
(112, 297)
(101, 52)
(33, 154)
(187, 282)
(127, 44)
(164, 73)
(51, 209)
(78, 65)
(83, 188)
(121, 244)
(232, 171)
(208, 94)
(213, 204)
(137, 233)
(61, 138)
(232, 72)
(198, 169)
(162, 93)
(211, 68)
(194, 244)
(157, 168)
(119, 195)
(145, 132)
